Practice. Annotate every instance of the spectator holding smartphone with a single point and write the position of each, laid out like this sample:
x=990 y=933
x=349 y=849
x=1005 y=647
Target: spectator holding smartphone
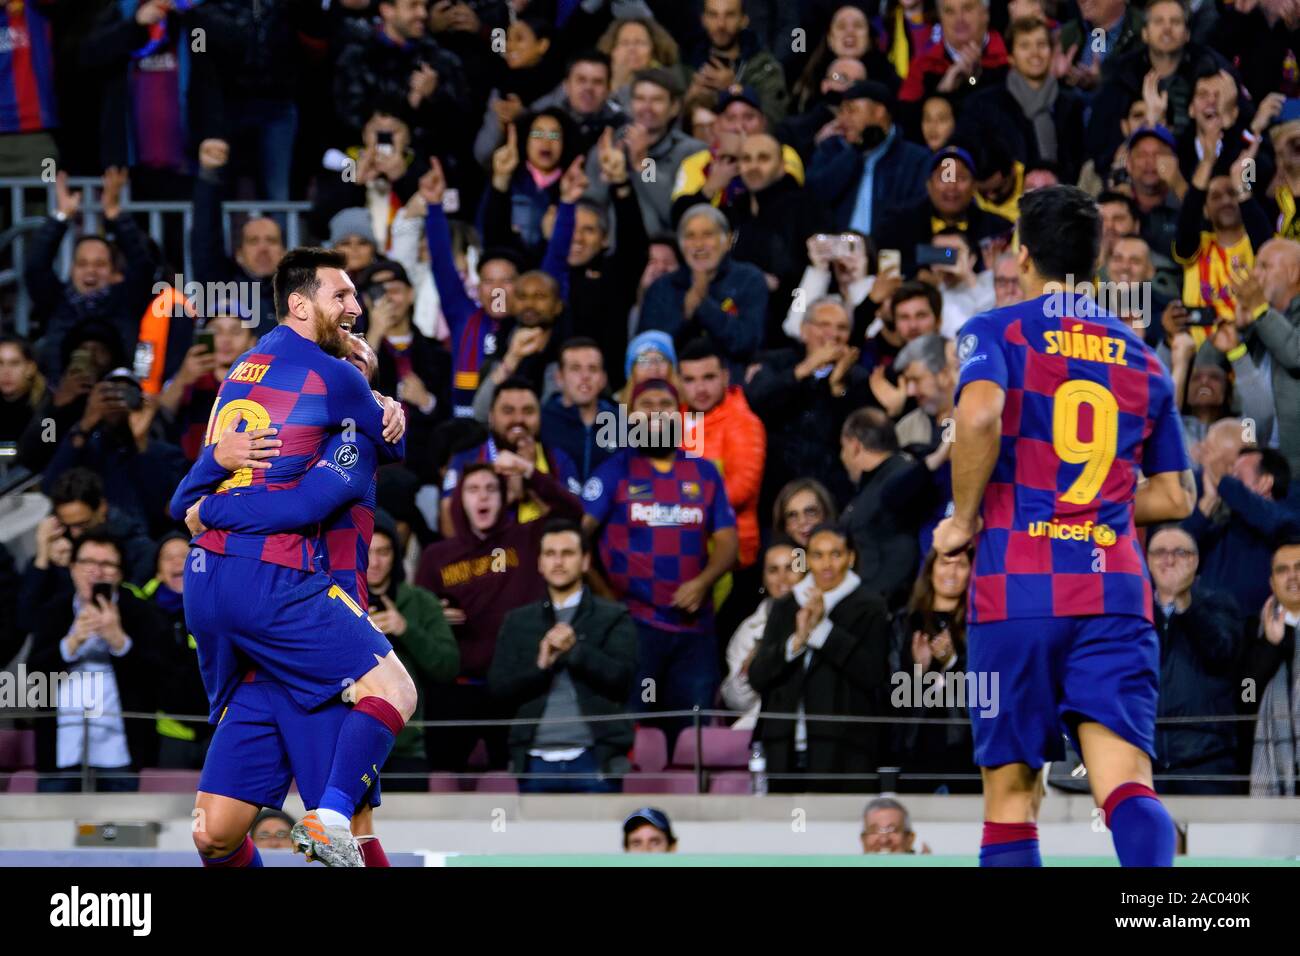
x=186 y=399
x=109 y=640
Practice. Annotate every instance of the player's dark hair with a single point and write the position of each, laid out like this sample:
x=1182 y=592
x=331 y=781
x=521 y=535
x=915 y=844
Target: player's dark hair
x=78 y=484
x=1289 y=540
x=98 y=535
x=473 y=468
x=1273 y=463
x=589 y=56
x=115 y=255
x=597 y=210
x=1061 y=228
x=916 y=289
x=1182 y=5
x=270 y=814
x=579 y=342
x=1024 y=26
x=835 y=528
x=965 y=238
x=515 y=383
x=698 y=349
x=1110 y=196
x=566 y=526
x=872 y=428
x=297 y=272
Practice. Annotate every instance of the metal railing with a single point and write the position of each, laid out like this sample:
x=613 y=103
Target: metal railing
x=884 y=779
x=89 y=220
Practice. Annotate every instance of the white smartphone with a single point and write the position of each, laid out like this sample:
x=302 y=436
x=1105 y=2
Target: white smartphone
x=451 y=200
x=890 y=261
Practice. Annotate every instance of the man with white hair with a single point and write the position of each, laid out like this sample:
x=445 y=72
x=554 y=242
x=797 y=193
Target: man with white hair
x=711 y=294
x=887 y=828
x=1268 y=315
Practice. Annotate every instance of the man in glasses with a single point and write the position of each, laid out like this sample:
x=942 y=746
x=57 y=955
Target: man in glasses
x=103 y=645
x=1200 y=637
x=887 y=828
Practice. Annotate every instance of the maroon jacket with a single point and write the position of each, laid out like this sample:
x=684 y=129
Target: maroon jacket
x=490 y=576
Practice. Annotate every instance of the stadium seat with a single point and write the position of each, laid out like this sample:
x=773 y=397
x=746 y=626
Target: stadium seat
x=24 y=781
x=650 y=751
x=444 y=783
x=17 y=749
x=723 y=748
x=156 y=780
x=730 y=781
x=495 y=782
x=671 y=781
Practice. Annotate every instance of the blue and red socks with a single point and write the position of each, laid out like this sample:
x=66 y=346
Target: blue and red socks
x=246 y=855
x=365 y=738
x=1010 y=844
x=1140 y=825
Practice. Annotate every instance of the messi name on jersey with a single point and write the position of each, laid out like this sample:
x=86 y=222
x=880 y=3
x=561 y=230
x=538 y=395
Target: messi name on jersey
x=656 y=515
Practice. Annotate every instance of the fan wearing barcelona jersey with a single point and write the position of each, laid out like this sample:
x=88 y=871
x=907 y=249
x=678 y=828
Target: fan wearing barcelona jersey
x=666 y=534
x=1067 y=438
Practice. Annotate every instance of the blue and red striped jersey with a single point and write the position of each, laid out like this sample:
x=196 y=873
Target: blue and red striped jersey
x=27 y=102
x=288 y=383
x=1088 y=407
x=655 y=531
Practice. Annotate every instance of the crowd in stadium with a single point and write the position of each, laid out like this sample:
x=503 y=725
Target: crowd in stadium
x=562 y=216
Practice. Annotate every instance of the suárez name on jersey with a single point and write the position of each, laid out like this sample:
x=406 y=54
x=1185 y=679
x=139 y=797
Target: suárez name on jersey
x=657 y=515
x=1078 y=344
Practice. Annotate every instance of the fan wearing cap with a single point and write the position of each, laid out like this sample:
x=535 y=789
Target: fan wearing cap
x=1284 y=135
x=949 y=204
x=648 y=830
x=415 y=368
x=352 y=232
x=713 y=175
x=666 y=534
x=113 y=439
x=863 y=165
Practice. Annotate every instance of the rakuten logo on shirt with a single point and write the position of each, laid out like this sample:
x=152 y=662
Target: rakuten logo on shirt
x=665 y=516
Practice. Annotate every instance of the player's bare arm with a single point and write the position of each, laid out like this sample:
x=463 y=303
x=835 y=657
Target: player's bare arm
x=1167 y=496
x=978 y=418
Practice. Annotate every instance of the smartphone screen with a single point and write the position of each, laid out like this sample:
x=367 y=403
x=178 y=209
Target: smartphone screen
x=205 y=339
x=101 y=589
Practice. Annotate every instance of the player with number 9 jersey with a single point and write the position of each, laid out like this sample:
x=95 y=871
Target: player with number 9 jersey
x=1067 y=438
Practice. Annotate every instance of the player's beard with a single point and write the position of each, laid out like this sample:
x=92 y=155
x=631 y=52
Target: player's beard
x=329 y=336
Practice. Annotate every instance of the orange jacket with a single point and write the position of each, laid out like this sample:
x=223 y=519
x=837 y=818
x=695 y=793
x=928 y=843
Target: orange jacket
x=734 y=439
x=155 y=332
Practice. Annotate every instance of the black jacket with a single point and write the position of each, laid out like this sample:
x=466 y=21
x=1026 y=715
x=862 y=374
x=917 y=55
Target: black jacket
x=887 y=549
x=933 y=754
x=602 y=665
x=1199 y=649
x=136 y=673
x=994 y=111
x=803 y=419
x=59 y=308
x=602 y=292
x=908 y=228
x=211 y=262
x=431 y=364
x=372 y=70
x=1124 y=85
x=849 y=675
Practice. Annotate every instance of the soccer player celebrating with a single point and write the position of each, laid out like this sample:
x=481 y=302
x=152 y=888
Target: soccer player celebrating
x=262 y=597
x=1059 y=408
